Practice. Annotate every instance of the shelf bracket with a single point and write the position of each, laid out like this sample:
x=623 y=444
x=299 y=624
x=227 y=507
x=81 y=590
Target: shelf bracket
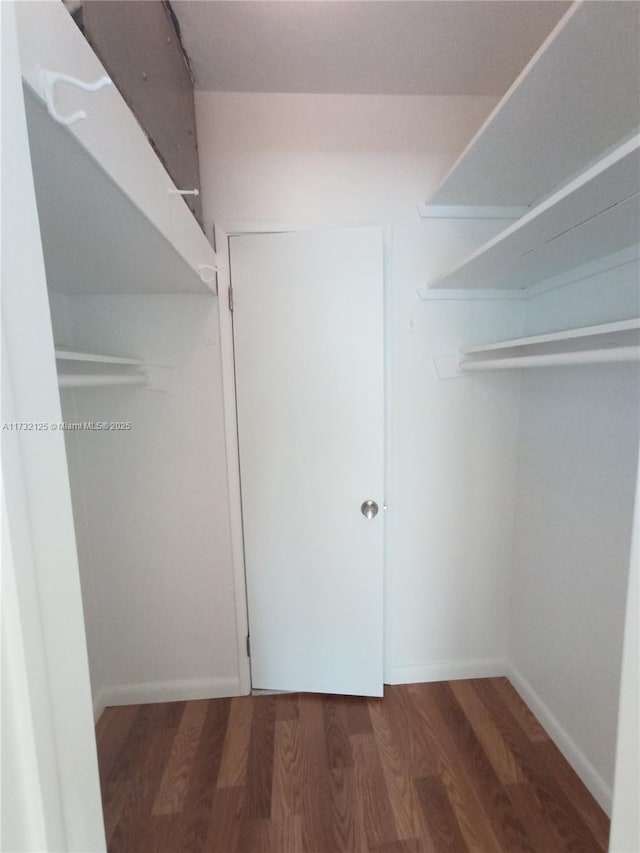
x=209 y=275
x=159 y=378
x=448 y=366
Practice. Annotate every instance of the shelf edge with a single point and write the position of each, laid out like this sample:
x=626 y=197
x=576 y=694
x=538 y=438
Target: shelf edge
x=95 y=358
x=563 y=335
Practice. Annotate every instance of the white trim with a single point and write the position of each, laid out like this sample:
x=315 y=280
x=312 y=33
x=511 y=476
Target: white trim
x=167 y=691
x=389 y=425
x=227 y=367
x=600 y=789
x=445 y=671
x=471 y=211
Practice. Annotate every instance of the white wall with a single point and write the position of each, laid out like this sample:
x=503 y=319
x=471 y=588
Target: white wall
x=576 y=485
x=327 y=157
x=452 y=446
x=92 y=605
x=150 y=504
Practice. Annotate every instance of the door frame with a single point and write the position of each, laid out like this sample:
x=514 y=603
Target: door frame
x=222 y=233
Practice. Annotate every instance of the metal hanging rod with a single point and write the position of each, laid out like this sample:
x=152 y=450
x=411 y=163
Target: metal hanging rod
x=606 y=355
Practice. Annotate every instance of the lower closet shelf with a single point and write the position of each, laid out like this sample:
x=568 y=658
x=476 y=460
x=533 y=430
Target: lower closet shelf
x=607 y=343
x=95 y=380
x=554 y=359
x=95 y=358
x=152 y=377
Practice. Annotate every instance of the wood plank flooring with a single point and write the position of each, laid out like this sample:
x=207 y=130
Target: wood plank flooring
x=431 y=768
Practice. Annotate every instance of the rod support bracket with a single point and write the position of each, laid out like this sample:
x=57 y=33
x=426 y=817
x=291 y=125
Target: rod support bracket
x=48 y=82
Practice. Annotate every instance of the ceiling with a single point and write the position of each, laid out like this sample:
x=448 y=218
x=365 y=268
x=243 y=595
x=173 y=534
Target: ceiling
x=419 y=47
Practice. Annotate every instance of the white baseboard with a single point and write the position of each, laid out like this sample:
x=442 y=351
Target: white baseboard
x=601 y=791
x=99 y=705
x=445 y=671
x=165 y=691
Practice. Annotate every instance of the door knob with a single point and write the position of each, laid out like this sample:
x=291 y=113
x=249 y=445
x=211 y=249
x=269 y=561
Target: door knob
x=369 y=509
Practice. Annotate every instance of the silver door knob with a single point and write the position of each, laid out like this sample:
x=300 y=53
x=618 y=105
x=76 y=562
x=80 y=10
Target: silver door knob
x=369 y=509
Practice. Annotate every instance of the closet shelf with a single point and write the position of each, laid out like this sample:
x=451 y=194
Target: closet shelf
x=91 y=357
x=96 y=380
x=104 y=198
x=596 y=214
x=620 y=333
x=554 y=359
x=605 y=343
x=102 y=374
x=78 y=369
x=576 y=98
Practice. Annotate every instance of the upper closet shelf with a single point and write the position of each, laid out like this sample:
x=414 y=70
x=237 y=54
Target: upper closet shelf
x=577 y=98
x=111 y=219
x=596 y=214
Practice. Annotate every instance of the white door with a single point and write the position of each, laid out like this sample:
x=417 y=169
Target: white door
x=308 y=337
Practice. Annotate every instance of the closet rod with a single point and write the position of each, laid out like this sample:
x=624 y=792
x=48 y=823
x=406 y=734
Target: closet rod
x=594 y=356
x=90 y=380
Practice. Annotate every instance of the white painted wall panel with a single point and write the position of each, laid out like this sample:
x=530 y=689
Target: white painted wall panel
x=94 y=613
x=151 y=505
x=576 y=484
x=454 y=455
x=625 y=820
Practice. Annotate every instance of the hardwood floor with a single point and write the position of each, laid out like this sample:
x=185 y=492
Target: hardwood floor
x=450 y=766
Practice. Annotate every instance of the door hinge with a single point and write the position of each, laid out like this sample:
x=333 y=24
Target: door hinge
x=230 y=298
x=248 y=646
